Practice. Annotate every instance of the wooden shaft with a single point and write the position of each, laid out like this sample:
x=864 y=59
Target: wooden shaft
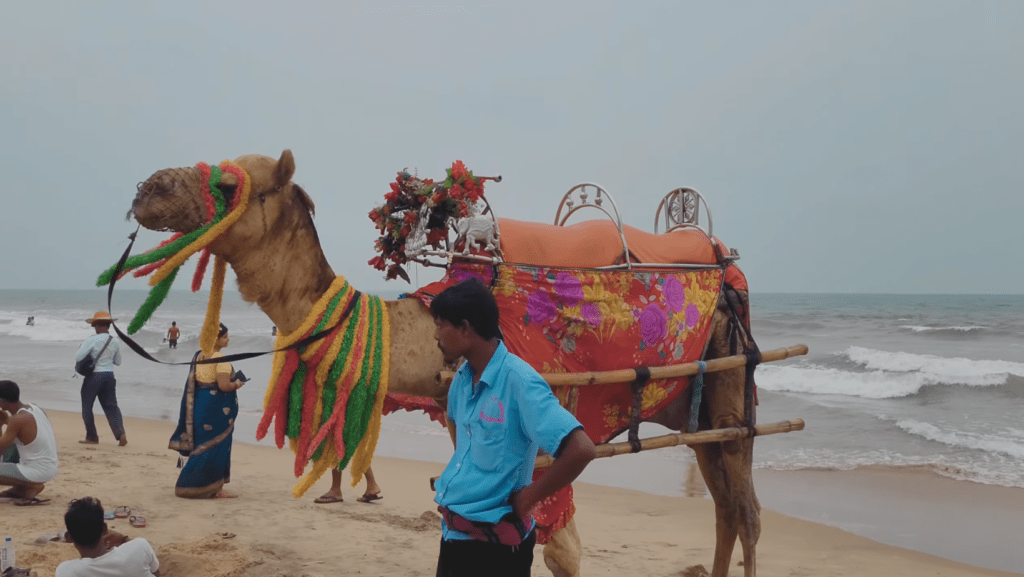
x=444 y=378
x=708 y=436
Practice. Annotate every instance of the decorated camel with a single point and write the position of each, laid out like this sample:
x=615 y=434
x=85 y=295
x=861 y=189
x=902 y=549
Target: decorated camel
x=325 y=397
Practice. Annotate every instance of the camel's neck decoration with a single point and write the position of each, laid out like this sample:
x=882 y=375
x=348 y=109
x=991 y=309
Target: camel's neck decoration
x=327 y=398
x=167 y=257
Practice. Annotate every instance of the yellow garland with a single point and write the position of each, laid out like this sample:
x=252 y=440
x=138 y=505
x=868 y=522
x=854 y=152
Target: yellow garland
x=353 y=366
x=351 y=373
x=326 y=463
x=283 y=340
x=364 y=452
x=211 y=326
x=200 y=243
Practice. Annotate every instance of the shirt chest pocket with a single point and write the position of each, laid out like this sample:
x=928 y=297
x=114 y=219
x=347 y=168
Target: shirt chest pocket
x=489 y=431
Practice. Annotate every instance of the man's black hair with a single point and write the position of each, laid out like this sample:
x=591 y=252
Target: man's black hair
x=9 y=391
x=223 y=330
x=84 y=521
x=468 y=301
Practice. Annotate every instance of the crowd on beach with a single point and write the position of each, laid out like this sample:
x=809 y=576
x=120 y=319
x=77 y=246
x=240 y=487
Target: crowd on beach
x=500 y=413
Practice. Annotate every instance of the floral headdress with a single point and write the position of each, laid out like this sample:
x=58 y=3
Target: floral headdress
x=413 y=199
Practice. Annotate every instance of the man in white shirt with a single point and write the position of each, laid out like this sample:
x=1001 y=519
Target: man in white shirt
x=101 y=383
x=26 y=428
x=86 y=530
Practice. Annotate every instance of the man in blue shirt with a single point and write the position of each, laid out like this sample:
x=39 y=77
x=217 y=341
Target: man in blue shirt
x=101 y=382
x=502 y=411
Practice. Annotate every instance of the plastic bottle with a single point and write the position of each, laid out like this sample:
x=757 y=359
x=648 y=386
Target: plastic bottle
x=7 y=555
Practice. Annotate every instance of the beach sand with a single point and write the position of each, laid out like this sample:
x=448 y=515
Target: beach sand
x=265 y=532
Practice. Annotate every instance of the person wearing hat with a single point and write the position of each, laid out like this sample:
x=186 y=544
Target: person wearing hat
x=101 y=383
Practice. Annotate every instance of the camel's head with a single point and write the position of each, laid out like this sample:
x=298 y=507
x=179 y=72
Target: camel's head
x=172 y=199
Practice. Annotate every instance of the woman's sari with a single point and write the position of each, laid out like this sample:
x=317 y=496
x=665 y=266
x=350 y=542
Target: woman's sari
x=205 y=426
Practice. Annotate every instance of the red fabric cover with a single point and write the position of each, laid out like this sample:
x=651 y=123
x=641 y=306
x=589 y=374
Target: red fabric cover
x=554 y=512
x=572 y=321
x=396 y=401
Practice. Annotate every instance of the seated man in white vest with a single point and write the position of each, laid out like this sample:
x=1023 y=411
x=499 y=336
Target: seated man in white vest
x=27 y=428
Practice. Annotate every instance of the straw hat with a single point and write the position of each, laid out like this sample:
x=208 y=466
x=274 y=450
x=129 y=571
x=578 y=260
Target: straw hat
x=100 y=317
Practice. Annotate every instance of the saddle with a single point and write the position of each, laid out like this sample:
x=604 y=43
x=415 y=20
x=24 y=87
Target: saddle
x=596 y=243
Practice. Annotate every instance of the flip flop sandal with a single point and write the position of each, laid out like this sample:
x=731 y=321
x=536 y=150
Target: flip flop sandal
x=31 y=501
x=137 y=521
x=369 y=498
x=323 y=499
x=122 y=512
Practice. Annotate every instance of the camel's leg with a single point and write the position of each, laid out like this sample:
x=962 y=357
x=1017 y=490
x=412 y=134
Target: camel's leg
x=727 y=466
x=562 y=553
x=713 y=469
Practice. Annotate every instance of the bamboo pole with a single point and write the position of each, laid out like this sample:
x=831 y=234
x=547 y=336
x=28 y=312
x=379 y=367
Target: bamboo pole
x=708 y=436
x=444 y=378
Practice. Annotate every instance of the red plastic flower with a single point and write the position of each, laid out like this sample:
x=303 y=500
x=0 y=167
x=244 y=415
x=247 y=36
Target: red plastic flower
x=459 y=171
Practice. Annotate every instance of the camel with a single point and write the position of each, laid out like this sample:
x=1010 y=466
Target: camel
x=280 y=266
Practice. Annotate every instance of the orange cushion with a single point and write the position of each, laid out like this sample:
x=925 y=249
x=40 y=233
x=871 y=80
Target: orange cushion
x=596 y=243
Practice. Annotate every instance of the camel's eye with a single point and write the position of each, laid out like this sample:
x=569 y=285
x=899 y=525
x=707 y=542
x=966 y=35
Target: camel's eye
x=263 y=198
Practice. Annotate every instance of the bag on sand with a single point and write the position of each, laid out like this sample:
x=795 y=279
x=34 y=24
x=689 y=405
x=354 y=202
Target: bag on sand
x=86 y=366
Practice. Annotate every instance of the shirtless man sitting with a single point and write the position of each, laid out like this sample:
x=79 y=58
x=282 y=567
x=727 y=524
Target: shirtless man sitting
x=27 y=428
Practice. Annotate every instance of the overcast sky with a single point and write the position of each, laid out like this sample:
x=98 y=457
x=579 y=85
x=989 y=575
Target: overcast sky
x=842 y=146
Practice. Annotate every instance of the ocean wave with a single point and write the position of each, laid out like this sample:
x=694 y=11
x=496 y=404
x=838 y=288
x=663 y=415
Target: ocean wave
x=990 y=443
x=875 y=384
x=950 y=370
x=69 y=328
x=47 y=329
x=997 y=470
x=956 y=330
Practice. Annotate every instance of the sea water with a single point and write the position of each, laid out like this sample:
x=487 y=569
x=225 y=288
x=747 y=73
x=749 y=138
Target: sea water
x=925 y=380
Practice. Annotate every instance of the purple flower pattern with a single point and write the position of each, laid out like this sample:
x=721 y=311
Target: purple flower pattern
x=591 y=313
x=675 y=296
x=540 y=308
x=692 y=315
x=652 y=324
x=569 y=289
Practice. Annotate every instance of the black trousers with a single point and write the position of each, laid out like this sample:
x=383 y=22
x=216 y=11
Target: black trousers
x=102 y=386
x=479 y=558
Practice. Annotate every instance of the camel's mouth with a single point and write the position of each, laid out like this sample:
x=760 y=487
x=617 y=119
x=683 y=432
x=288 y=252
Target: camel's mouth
x=170 y=200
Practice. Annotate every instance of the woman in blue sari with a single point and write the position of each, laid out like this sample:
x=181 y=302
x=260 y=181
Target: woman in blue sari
x=205 y=426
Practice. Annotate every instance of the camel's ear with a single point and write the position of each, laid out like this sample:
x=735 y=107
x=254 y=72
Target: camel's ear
x=285 y=169
x=228 y=179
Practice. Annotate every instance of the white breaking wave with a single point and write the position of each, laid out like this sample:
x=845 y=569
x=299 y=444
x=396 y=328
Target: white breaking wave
x=74 y=329
x=988 y=443
x=953 y=370
x=48 y=329
x=889 y=375
x=828 y=381
x=962 y=329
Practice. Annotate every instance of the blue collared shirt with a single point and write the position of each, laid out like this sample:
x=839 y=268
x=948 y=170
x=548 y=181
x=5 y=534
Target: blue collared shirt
x=110 y=357
x=500 y=423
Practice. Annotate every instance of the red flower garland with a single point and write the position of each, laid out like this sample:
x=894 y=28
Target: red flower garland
x=401 y=209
